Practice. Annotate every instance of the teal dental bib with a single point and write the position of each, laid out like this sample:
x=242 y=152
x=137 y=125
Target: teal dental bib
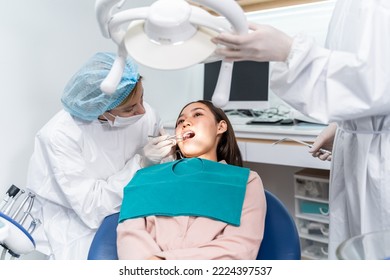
x=187 y=187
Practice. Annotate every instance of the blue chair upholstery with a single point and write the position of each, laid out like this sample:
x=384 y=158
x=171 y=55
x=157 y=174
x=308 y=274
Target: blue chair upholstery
x=103 y=246
x=281 y=239
x=280 y=242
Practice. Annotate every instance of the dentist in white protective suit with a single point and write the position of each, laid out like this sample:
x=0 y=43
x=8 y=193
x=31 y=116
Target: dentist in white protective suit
x=87 y=153
x=346 y=84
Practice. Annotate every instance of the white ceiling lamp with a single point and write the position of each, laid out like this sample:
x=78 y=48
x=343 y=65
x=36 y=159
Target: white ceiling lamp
x=170 y=35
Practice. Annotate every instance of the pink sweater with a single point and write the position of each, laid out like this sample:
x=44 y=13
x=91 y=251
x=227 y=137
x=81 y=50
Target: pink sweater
x=191 y=238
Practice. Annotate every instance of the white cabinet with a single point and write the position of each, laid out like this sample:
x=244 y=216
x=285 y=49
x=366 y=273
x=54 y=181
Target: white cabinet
x=311 y=196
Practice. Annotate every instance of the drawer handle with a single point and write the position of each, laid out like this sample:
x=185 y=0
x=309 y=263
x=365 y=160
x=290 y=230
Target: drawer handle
x=324 y=231
x=324 y=212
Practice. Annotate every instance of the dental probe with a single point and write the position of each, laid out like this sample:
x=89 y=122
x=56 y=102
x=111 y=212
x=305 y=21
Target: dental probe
x=303 y=143
x=177 y=137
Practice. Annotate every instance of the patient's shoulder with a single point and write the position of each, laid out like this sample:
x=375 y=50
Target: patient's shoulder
x=254 y=177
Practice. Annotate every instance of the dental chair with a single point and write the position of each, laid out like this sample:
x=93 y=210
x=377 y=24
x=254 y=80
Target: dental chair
x=280 y=241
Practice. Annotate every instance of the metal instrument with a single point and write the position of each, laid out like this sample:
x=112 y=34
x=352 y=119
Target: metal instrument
x=324 y=151
x=17 y=239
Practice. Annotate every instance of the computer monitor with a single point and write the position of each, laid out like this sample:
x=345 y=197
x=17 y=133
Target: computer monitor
x=249 y=86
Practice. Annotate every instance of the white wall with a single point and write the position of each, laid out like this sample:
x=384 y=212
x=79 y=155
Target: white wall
x=43 y=42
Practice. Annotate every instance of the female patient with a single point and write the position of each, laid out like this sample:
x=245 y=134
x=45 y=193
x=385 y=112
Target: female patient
x=203 y=206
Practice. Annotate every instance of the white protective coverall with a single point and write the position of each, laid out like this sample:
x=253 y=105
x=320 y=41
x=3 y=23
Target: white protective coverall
x=78 y=171
x=348 y=83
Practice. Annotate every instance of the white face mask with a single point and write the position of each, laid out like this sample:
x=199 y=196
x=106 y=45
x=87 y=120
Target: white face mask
x=123 y=121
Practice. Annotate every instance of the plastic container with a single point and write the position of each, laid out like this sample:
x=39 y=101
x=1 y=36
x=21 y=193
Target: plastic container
x=369 y=246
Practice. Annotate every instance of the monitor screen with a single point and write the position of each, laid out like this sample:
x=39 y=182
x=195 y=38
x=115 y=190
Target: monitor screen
x=249 y=85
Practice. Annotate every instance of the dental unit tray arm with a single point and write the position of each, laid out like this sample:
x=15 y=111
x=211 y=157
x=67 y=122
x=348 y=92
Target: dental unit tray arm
x=15 y=238
x=195 y=19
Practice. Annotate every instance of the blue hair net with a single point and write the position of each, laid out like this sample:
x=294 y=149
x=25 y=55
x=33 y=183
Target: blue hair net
x=82 y=96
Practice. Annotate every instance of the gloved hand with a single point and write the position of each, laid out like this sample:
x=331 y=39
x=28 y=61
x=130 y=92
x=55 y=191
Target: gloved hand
x=157 y=148
x=264 y=43
x=324 y=140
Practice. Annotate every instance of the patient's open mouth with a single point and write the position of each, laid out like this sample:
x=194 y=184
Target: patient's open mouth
x=188 y=135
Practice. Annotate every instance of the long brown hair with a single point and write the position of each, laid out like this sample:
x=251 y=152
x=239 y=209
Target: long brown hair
x=227 y=148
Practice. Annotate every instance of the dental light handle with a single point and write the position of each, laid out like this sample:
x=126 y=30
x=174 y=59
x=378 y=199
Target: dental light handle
x=109 y=27
x=233 y=13
x=111 y=82
x=222 y=89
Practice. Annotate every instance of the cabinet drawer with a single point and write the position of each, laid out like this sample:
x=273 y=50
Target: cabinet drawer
x=313 y=229
x=312 y=189
x=314 y=250
x=313 y=207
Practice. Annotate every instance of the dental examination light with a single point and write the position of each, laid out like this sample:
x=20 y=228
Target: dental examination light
x=14 y=237
x=170 y=35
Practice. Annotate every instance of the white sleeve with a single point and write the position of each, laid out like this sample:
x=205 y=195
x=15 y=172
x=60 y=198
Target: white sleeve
x=59 y=174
